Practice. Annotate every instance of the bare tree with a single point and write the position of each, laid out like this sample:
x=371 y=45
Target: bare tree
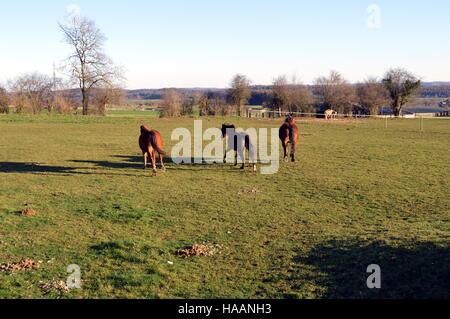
x=4 y=101
x=32 y=92
x=290 y=97
x=172 y=103
x=187 y=107
x=336 y=93
x=372 y=96
x=280 y=97
x=203 y=105
x=88 y=65
x=239 y=92
x=300 y=99
x=401 y=85
x=107 y=96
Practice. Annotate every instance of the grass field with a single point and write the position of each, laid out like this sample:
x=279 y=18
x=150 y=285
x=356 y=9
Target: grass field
x=360 y=194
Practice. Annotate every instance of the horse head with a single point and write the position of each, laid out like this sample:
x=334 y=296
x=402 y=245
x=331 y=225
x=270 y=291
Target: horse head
x=144 y=129
x=290 y=119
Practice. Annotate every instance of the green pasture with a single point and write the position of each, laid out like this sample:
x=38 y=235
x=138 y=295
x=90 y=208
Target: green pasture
x=359 y=194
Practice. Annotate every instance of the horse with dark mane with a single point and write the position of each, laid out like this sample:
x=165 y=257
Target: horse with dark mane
x=151 y=142
x=238 y=142
x=289 y=134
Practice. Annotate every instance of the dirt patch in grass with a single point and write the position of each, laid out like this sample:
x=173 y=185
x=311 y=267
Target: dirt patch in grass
x=28 y=212
x=24 y=265
x=54 y=286
x=198 y=250
x=253 y=190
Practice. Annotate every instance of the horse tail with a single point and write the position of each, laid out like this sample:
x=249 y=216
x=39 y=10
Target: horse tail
x=155 y=144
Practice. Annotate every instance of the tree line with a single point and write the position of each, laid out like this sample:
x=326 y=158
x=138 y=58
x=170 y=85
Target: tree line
x=328 y=92
x=99 y=81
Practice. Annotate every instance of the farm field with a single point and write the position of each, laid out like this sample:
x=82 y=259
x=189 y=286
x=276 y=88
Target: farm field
x=359 y=194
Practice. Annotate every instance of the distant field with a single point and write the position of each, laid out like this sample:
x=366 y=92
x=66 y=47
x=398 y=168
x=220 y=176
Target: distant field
x=132 y=113
x=360 y=194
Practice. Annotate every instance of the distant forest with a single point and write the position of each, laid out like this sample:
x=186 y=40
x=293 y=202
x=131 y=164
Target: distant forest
x=261 y=93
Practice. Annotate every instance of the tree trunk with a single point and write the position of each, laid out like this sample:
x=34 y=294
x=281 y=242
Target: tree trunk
x=397 y=108
x=85 y=101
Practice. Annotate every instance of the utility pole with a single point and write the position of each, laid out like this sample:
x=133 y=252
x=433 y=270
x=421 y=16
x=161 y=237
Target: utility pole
x=54 y=77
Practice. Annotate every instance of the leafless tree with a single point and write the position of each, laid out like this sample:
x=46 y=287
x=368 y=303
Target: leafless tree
x=32 y=92
x=4 y=101
x=290 y=97
x=239 y=92
x=187 y=107
x=280 y=96
x=372 y=96
x=107 y=96
x=336 y=93
x=171 y=104
x=88 y=65
x=401 y=85
x=203 y=105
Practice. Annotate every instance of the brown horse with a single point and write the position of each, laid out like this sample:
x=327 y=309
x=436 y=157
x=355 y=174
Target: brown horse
x=151 y=142
x=289 y=134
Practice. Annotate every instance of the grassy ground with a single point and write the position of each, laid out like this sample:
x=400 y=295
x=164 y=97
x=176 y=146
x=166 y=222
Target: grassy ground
x=360 y=194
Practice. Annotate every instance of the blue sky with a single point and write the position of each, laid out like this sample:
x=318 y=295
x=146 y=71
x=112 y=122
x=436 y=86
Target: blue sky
x=203 y=43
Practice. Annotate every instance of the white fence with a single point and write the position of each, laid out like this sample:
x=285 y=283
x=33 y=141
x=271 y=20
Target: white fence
x=276 y=114
x=418 y=116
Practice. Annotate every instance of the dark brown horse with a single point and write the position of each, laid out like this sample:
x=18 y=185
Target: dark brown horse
x=151 y=142
x=238 y=142
x=289 y=134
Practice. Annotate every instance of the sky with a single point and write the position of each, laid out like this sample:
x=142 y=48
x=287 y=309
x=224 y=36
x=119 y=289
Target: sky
x=203 y=43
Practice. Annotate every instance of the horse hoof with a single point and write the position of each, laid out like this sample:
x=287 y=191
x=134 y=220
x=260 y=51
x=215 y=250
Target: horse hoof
x=286 y=159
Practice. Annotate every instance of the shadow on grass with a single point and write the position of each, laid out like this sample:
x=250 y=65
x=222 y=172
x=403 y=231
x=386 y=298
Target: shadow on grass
x=13 y=167
x=417 y=270
x=35 y=168
x=137 y=162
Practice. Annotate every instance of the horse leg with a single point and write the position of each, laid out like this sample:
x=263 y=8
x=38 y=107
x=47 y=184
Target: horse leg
x=161 y=158
x=145 y=161
x=225 y=155
x=241 y=152
x=293 y=152
x=153 y=157
x=285 y=157
x=235 y=158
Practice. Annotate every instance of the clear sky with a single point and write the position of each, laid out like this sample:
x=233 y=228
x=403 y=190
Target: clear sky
x=202 y=43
